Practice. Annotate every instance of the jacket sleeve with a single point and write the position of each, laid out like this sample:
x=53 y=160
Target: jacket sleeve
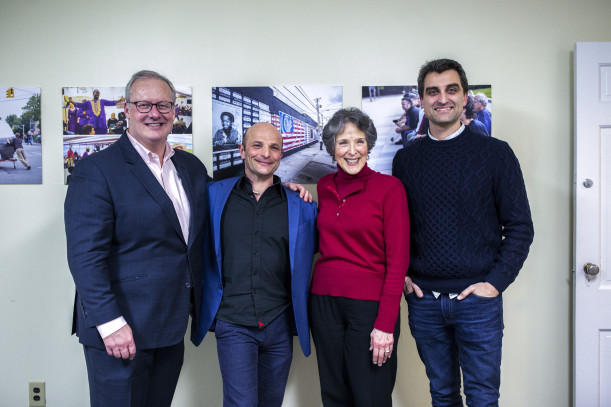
x=89 y=223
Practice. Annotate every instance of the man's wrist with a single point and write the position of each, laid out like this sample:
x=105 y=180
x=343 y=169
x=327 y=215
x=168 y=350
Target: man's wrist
x=111 y=327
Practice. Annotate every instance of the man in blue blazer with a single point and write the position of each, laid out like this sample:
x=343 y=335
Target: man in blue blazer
x=136 y=225
x=256 y=286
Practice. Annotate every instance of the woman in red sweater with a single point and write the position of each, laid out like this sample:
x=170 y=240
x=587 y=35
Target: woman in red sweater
x=357 y=283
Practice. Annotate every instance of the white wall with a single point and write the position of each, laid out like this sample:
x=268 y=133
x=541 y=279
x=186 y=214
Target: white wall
x=523 y=48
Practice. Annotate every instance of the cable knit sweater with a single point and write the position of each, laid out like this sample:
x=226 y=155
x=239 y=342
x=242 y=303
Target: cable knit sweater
x=363 y=225
x=469 y=214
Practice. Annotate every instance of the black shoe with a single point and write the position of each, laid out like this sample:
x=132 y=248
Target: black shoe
x=29 y=167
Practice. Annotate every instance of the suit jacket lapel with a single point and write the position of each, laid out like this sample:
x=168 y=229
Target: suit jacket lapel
x=294 y=207
x=185 y=179
x=144 y=175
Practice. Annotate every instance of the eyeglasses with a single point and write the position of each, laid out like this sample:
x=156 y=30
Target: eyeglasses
x=145 y=107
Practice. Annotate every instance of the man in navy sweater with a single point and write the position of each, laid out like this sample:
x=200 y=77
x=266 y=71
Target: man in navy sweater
x=471 y=230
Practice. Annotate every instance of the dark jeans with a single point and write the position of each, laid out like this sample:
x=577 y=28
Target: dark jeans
x=340 y=329
x=255 y=362
x=452 y=335
x=149 y=380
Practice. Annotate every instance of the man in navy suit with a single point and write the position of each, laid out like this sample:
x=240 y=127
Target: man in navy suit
x=136 y=225
x=256 y=286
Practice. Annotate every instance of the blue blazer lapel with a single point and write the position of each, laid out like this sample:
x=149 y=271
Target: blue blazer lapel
x=143 y=174
x=219 y=193
x=294 y=208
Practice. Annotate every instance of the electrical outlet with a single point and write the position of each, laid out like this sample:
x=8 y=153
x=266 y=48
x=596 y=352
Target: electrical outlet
x=37 y=394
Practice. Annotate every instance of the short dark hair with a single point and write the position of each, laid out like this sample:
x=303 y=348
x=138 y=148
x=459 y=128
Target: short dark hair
x=335 y=126
x=230 y=115
x=86 y=129
x=144 y=74
x=439 y=66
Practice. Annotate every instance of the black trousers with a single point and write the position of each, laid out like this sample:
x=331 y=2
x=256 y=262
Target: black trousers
x=341 y=329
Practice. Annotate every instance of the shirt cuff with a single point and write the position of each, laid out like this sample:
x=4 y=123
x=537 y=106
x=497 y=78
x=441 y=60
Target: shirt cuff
x=111 y=327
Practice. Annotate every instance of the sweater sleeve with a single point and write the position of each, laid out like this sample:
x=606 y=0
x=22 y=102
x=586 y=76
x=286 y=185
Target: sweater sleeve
x=396 y=242
x=514 y=215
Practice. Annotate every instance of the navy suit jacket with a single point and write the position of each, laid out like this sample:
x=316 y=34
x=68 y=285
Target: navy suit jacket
x=302 y=235
x=126 y=250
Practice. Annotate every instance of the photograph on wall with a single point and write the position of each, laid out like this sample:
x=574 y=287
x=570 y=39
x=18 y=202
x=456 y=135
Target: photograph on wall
x=20 y=138
x=399 y=119
x=298 y=112
x=94 y=118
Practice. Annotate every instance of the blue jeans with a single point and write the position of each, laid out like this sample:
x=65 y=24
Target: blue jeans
x=452 y=335
x=255 y=362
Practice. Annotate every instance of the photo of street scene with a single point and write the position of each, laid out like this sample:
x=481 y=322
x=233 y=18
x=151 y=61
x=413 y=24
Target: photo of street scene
x=298 y=112
x=94 y=118
x=396 y=113
x=20 y=138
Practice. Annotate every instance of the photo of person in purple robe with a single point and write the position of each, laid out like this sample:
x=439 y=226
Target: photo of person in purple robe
x=83 y=120
x=71 y=125
x=94 y=110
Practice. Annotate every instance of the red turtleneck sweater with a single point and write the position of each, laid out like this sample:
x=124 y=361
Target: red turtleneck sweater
x=363 y=224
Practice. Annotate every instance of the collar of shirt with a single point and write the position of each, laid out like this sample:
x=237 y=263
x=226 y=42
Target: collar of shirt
x=245 y=185
x=148 y=156
x=451 y=136
x=168 y=178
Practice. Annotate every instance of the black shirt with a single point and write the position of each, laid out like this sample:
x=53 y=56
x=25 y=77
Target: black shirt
x=17 y=142
x=413 y=117
x=255 y=247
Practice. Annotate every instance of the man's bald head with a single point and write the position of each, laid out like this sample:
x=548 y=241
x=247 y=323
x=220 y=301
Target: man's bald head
x=263 y=128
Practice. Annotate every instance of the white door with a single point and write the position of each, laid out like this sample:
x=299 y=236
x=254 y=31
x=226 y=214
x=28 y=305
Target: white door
x=592 y=292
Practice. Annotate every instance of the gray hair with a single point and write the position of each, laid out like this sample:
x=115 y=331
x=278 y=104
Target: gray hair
x=144 y=74
x=337 y=124
x=469 y=110
x=481 y=98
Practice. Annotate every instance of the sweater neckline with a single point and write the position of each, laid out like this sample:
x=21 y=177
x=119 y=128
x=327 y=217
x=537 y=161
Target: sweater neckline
x=343 y=176
x=348 y=184
x=451 y=142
